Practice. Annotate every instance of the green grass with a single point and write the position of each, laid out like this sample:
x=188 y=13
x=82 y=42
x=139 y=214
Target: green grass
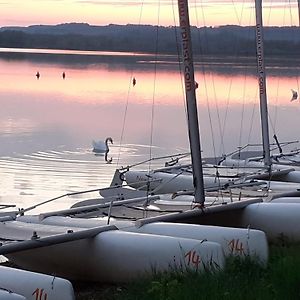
x=241 y=279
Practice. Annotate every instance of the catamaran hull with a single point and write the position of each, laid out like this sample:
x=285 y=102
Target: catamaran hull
x=8 y=295
x=278 y=173
x=116 y=256
x=234 y=241
x=164 y=183
x=280 y=221
x=286 y=200
x=30 y=285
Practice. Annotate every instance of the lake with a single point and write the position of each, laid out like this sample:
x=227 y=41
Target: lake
x=47 y=125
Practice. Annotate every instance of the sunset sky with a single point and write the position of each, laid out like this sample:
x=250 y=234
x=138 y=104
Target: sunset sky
x=102 y=12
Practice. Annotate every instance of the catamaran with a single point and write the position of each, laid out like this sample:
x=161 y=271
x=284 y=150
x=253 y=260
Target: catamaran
x=138 y=237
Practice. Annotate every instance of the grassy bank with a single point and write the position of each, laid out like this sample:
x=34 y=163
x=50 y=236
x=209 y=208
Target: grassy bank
x=280 y=279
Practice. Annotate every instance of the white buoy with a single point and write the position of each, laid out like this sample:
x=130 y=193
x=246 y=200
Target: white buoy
x=34 y=285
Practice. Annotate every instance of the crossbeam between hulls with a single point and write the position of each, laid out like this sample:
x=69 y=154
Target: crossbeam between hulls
x=183 y=217
x=190 y=94
x=37 y=242
x=95 y=207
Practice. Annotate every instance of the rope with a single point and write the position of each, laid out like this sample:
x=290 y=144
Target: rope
x=246 y=71
x=204 y=75
x=273 y=123
x=255 y=105
x=231 y=80
x=128 y=96
x=154 y=87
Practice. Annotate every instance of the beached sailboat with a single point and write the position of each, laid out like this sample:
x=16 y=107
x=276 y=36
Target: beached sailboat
x=276 y=165
x=21 y=284
x=200 y=199
x=283 y=166
x=259 y=215
x=122 y=250
x=106 y=253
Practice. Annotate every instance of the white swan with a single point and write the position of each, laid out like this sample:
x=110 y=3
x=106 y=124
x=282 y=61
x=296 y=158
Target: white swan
x=102 y=147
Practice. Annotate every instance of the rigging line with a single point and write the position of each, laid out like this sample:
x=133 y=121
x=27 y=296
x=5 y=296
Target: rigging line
x=290 y=10
x=204 y=74
x=269 y=14
x=236 y=13
x=231 y=82
x=255 y=106
x=128 y=95
x=124 y=120
x=276 y=109
x=273 y=125
x=242 y=116
x=180 y=155
x=244 y=93
x=218 y=115
x=284 y=15
x=223 y=127
x=291 y=24
x=217 y=110
x=154 y=87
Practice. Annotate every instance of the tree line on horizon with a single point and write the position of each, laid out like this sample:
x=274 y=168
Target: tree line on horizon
x=224 y=40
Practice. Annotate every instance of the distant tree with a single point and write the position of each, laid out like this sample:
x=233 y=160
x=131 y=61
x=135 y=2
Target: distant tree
x=222 y=41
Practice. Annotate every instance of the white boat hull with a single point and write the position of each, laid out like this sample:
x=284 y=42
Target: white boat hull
x=280 y=221
x=234 y=241
x=293 y=175
x=165 y=183
x=286 y=200
x=30 y=285
x=8 y=295
x=116 y=256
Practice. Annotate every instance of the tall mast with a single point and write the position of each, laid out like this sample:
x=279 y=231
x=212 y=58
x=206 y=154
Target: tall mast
x=190 y=94
x=262 y=83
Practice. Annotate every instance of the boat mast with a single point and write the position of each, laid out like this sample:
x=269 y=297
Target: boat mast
x=262 y=83
x=190 y=94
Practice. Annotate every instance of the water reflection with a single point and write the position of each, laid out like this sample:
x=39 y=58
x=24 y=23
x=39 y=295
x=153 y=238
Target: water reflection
x=47 y=125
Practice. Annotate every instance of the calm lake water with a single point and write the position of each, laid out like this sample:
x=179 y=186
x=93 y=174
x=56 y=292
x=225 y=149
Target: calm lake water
x=47 y=125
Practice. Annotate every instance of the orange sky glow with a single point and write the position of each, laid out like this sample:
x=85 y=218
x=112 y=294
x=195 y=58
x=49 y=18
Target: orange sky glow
x=103 y=12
